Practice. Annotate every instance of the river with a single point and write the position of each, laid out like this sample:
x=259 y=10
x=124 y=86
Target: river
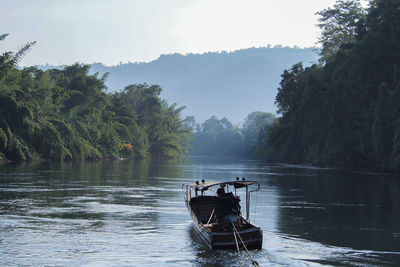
x=132 y=213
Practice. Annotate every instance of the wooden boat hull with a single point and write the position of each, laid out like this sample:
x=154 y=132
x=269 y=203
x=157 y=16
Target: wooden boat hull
x=210 y=212
x=252 y=238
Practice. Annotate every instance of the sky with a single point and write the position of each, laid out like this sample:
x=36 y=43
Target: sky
x=121 y=31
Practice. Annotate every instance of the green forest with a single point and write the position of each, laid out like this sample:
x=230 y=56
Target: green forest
x=345 y=110
x=222 y=138
x=68 y=114
x=342 y=111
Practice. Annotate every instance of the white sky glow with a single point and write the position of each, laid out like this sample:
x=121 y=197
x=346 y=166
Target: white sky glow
x=117 y=31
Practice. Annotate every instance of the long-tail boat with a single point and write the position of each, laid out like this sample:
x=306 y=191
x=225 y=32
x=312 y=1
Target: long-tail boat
x=216 y=213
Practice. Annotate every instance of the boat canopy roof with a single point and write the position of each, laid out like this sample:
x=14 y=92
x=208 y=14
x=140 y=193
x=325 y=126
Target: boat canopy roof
x=205 y=185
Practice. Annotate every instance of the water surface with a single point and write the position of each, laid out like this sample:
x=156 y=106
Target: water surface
x=132 y=213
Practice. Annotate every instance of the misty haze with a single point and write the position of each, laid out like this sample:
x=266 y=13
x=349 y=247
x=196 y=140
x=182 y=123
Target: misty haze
x=200 y=133
x=224 y=84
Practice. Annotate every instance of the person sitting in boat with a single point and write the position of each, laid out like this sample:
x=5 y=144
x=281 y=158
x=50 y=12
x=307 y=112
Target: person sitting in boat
x=227 y=209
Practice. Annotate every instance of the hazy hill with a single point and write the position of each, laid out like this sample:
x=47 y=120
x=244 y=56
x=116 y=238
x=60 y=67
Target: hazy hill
x=223 y=84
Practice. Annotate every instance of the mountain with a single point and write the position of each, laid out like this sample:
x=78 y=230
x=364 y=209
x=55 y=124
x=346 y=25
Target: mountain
x=225 y=84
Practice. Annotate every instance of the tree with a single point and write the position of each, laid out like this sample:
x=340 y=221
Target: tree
x=67 y=114
x=8 y=59
x=345 y=113
x=342 y=24
x=255 y=129
x=218 y=137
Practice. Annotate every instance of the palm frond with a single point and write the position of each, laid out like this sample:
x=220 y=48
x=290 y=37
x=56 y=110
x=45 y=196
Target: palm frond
x=22 y=51
x=3 y=36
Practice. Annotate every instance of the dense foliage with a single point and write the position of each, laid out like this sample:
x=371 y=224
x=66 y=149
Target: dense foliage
x=346 y=110
x=67 y=114
x=220 y=137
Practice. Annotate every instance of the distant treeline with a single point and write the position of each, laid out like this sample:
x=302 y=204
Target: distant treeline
x=67 y=114
x=345 y=111
x=221 y=138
